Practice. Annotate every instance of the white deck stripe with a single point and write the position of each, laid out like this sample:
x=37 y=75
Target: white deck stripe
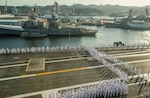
x=16 y=65
x=17 y=77
x=95 y=67
x=32 y=75
x=139 y=61
x=134 y=55
x=64 y=57
x=129 y=53
x=12 y=63
x=53 y=61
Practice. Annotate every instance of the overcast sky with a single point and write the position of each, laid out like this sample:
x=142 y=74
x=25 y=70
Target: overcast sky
x=71 y=2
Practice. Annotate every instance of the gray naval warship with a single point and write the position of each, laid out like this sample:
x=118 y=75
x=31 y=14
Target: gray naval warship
x=32 y=28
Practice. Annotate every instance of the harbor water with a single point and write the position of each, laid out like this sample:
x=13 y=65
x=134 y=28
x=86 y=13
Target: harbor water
x=104 y=37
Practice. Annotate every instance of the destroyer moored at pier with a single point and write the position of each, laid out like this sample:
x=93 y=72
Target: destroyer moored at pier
x=37 y=29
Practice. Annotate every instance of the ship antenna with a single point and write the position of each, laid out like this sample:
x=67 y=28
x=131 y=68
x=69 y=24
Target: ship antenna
x=146 y=12
x=69 y=36
x=5 y=9
x=54 y=7
x=130 y=15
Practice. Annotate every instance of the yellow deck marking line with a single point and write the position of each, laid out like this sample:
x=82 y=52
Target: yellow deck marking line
x=44 y=64
x=28 y=64
x=44 y=73
x=60 y=71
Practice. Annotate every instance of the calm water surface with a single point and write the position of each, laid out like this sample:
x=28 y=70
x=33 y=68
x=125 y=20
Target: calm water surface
x=104 y=37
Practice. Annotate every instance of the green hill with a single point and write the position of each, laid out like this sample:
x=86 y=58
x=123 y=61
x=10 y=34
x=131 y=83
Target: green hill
x=79 y=9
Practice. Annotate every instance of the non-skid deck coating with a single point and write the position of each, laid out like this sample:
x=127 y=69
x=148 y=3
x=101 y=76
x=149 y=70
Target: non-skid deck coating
x=65 y=69
x=36 y=64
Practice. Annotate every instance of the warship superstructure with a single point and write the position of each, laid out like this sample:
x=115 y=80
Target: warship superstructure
x=33 y=28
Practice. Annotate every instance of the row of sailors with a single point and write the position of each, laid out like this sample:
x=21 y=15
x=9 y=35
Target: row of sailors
x=114 y=87
x=139 y=72
x=139 y=45
x=99 y=56
x=37 y=49
x=144 y=76
x=116 y=70
x=125 y=64
x=115 y=60
x=120 y=44
x=147 y=90
x=110 y=66
x=47 y=49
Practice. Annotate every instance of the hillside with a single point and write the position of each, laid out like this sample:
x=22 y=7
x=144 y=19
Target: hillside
x=79 y=9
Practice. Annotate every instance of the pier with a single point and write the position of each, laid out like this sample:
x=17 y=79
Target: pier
x=60 y=70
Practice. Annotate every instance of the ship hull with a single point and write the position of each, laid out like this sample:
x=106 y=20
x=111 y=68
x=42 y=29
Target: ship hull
x=137 y=26
x=52 y=32
x=112 y=25
x=72 y=32
x=9 y=32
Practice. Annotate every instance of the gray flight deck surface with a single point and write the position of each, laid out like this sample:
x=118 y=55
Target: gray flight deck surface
x=67 y=68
